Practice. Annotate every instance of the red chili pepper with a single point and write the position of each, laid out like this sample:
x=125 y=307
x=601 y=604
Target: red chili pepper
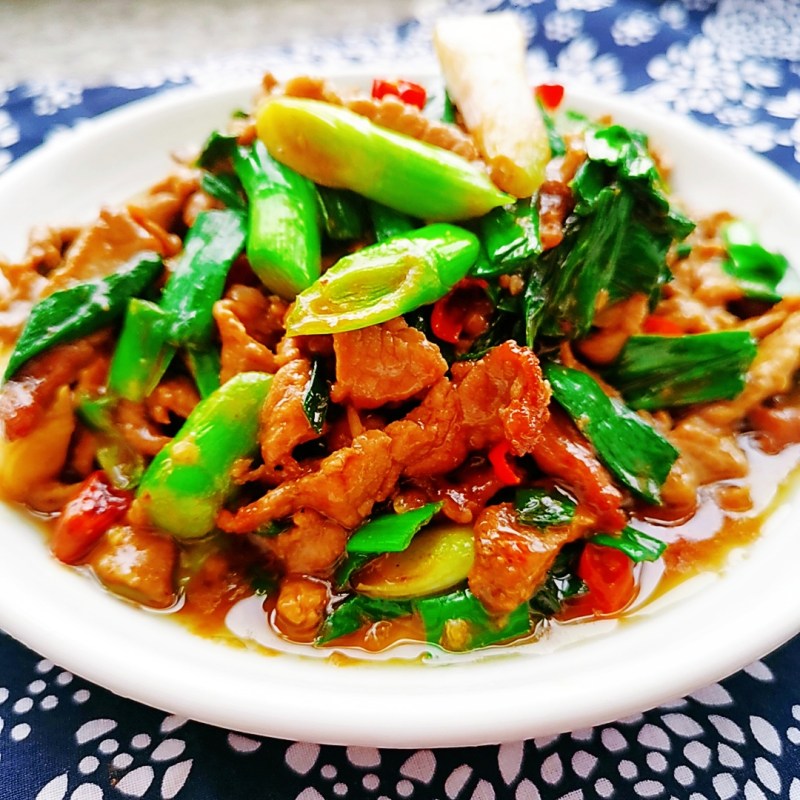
x=550 y=95
x=408 y=92
x=661 y=326
x=447 y=316
x=609 y=575
x=498 y=458
x=86 y=517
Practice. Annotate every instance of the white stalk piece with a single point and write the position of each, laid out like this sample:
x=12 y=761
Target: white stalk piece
x=483 y=62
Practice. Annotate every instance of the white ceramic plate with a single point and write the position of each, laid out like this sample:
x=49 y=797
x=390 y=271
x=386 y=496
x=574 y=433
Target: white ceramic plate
x=709 y=628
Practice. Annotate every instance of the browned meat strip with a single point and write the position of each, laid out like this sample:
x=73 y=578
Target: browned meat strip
x=383 y=364
x=429 y=440
x=503 y=396
x=176 y=396
x=102 y=248
x=300 y=606
x=312 y=546
x=771 y=373
x=615 y=325
x=26 y=397
x=284 y=424
x=564 y=453
x=512 y=559
x=162 y=204
x=346 y=486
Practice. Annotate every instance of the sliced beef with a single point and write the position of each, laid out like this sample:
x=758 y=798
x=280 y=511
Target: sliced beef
x=563 y=453
x=383 y=364
x=344 y=488
x=503 y=396
x=284 y=423
x=512 y=559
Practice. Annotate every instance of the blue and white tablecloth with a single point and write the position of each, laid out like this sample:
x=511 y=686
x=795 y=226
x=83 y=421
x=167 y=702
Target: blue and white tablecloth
x=732 y=64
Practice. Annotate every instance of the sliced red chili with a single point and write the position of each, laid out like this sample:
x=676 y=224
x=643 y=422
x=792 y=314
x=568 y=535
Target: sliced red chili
x=498 y=458
x=407 y=91
x=86 y=517
x=550 y=95
x=661 y=326
x=608 y=573
x=448 y=314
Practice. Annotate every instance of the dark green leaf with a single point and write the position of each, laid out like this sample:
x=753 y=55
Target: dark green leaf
x=655 y=372
x=344 y=213
x=316 y=397
x=561 y=582
x=225 y=188
x=217 y=149
x=387 y=223
x=82 y=309
x=757 y=270
x=391 y=533
x=357 y=611
x=205 y=368
x=543 y=507
x=510 y=235
x=633 y=450
x=636 y=545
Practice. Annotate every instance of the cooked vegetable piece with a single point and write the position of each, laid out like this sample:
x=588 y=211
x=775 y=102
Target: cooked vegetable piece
x=205 y=368
x=82 y=309
x=608 y=575
x=84 y=519
x=511 y=235
x=437 y=559
x=543 y=507
x=483 y=62
x=482 y=629
x=142 y=354
x=343 y=213
x=449 y=313
x=561 y=584
x=336 y=147
x=636 y=545
x=283 y=237
x=563 y=286
x=384 y=281
x=189 y=480
x=655 y=372
x=316 y=397
x=123 y=465
x=224 y=188
x=498 y=456
x=391 y=533
x=198 y=276
x=757 y=270
x=387 y=223
x=358 y=611
x=633 y=450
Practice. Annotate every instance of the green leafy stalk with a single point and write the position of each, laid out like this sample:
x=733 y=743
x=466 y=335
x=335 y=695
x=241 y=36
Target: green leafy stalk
x=142 y=354
x=484 y=629
x=388 y=223
x=655 y=372
x=633 y=450
x=198 y=277
x=336 y=147
x=391 y=533
x=384 y=281
x=283 y=236
x=82 y=309
x=510 y=235
x=204 y=366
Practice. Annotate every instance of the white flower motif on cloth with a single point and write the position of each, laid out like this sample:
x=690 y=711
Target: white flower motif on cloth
x=53 y=96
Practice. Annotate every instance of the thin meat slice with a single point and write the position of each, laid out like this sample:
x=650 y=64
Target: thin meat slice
x=284 y=423
x=429 y=440
x=563 y=453
x=311 y=546
x=383 y=364
x=503 y=396
x=25 y=398
x=344 y=489
x=512 y=559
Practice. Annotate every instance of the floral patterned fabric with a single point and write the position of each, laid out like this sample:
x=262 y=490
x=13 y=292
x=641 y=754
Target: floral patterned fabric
x=732 y=64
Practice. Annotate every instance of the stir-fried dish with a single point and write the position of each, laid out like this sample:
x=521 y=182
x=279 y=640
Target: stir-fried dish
x=408 y=365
